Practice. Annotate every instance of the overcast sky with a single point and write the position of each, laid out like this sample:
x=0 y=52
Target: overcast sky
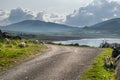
x=59 y=6
x=70 y=12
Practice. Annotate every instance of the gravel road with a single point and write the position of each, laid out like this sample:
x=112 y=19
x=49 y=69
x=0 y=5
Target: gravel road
x=58 y=63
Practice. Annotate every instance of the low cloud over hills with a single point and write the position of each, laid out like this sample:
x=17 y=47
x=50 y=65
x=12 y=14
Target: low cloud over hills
x=96 y=11
x=19 y=14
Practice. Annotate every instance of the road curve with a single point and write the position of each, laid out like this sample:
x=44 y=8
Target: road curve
x=58 y=63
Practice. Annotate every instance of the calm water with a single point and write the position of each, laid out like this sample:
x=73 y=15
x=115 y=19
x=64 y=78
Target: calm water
x=90 y=42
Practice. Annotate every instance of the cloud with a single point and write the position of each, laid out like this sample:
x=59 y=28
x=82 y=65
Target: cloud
x=3 y=15
x=55 y=17
x=96 y=11
x=40 y=16
x=19 y=14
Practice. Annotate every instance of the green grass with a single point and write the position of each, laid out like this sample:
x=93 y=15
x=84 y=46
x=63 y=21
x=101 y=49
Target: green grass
x=97 y=71
x=11 y=53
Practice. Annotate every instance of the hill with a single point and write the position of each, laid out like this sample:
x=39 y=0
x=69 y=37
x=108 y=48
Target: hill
x=109 y=25
x=35 y=29
x=36 y=26
x=109 y=29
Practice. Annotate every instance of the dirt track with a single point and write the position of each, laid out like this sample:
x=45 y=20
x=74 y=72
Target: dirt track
x=58 y=63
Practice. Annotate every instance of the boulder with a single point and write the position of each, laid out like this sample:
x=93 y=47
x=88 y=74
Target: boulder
x=22 y=44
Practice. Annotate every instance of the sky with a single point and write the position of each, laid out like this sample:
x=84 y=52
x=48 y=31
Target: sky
x=59 y=6
x=70 y=12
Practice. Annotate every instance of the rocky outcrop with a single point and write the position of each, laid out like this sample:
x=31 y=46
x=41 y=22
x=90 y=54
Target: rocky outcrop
x=116 y=56
x=117 y=70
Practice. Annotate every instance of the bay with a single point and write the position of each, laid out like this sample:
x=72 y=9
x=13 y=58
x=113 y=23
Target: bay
x=90 y=42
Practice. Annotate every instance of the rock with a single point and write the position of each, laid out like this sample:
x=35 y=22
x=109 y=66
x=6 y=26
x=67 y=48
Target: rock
x=117 y=70
x=22 y=44
x=116 y=52
x=36 y=41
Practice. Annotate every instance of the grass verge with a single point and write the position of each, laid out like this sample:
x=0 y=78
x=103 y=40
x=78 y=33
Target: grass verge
x=97 y=71
x=11 y=54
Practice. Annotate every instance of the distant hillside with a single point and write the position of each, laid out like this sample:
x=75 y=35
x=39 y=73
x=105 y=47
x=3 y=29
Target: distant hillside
x=109 y=25
x=109 y=28
x=36 y=26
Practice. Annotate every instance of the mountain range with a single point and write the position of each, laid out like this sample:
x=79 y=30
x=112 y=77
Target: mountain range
x=109 y=25
x=109 y=28
x=36 y=26
x=103 y=29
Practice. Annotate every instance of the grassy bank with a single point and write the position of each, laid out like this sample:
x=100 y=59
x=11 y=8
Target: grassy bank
x=72 y=44
x=97 y=71
x=11 y=53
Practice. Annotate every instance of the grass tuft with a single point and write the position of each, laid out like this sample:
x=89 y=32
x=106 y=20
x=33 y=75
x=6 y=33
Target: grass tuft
x=11 y=53
x=97 y=71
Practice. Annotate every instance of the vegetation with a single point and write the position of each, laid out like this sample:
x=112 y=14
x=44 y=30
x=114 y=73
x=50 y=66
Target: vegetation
x=73 y=44
x=97 y=71
x=11 y=53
